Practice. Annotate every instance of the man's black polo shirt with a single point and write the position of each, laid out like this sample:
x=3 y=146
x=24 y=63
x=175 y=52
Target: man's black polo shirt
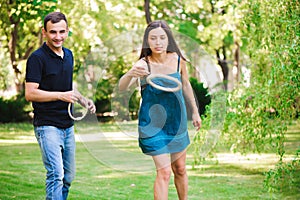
x=52 y=73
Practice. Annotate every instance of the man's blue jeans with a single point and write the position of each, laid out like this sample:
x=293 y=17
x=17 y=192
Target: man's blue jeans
x=58 y=153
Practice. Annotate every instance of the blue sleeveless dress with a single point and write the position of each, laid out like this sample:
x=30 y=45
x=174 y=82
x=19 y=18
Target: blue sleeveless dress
x=162 y=118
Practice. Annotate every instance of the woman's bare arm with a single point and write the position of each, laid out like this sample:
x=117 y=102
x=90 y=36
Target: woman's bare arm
x=189 y=96
x=131 y=77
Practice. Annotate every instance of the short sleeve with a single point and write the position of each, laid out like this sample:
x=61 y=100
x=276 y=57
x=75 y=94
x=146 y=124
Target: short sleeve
x=34 y=69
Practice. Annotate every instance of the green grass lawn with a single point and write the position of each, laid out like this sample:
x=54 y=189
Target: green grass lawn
x=227 y=176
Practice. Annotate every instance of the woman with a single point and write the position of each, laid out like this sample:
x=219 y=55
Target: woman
x=162 y=116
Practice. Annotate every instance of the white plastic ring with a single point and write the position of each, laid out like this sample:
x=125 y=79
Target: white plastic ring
x=76 y=118
x=166 y=89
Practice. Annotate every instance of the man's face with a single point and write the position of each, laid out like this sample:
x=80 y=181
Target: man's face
x=56 y=34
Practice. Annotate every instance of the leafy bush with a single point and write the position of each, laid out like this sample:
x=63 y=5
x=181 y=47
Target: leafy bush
x=272 y=38
x=202 y=95
x=284 y=176
x=13 y=109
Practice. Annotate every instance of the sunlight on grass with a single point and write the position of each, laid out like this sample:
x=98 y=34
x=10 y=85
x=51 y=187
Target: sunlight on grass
x=15 y=130
x=223 y=176
x=6 y=172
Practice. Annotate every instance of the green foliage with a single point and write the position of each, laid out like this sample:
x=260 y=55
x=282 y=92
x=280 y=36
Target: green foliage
x=20 y=25
x=6 y=76
x=253 y=125
x=13 y=109
x=285 y=176
x=258 y=116
x=20 y=34
x=273 y=46
x=92 y=23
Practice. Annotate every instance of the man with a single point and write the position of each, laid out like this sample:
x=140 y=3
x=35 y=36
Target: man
x=48 y=86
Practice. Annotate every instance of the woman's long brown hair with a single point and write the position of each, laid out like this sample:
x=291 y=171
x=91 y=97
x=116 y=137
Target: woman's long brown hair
x=172 y=46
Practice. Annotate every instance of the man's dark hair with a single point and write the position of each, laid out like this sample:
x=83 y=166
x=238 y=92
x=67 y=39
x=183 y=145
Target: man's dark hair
x=54 y=17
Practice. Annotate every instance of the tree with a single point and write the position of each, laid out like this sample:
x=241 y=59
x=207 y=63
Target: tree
x=103 y=41
x=260 y=114
x=21 y=22
x=147 y=11
x=216 y=25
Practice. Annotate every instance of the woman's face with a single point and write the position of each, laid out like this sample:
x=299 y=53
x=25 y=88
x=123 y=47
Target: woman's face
x=158 y=40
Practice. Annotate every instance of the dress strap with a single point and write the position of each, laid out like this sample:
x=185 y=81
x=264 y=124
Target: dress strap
x=178 y=65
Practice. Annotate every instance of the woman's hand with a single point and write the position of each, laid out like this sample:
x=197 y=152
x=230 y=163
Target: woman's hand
x=196 y=121
x=132 y=76
x=137 y=72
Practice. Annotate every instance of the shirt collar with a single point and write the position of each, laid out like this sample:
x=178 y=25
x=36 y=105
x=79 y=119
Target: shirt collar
x=52 y=53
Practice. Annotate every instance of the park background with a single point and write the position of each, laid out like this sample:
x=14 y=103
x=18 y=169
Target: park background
x=252 y=44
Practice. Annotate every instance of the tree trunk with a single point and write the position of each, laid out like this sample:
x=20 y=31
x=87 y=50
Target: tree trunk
x=237 y=62
x=224 y=66
x=147 y=11
x=12 y=44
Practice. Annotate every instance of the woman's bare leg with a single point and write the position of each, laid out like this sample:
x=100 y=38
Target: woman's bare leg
x=163 y=174
x=180 y=175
